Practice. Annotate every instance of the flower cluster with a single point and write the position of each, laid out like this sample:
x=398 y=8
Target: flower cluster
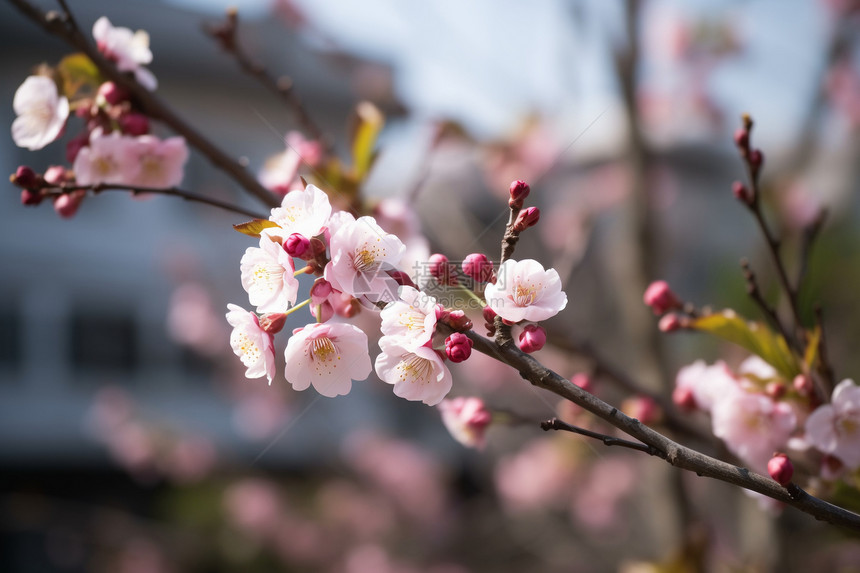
x=116 y=146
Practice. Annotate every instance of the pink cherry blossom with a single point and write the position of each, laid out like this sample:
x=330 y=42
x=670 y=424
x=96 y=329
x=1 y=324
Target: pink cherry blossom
x=105 y=160
x=705 y=383
x=267 y=277
x=752 y=425
x=304 y=212
x=525 y=291
x=129 y=50
x=467 y=419
x=159 y=163
x=417 y=374
x=41 y=111
x=251 y=343
x=329 y=356
x=361 y=253
x=412 y=319
x=835 y=428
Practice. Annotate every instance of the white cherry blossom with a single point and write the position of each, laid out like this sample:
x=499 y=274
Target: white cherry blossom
x=267 y=277
x=328 y=356
x=835 y=428
x=412 y=319
x=41 y=111
x=254 y=346
x=418 y=374
x=106 y=160
x=525 y=291
x=304 y=212
x=160 y=163
x=129 y=50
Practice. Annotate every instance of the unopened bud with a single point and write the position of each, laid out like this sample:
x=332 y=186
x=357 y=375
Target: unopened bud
x=458 y=320
x=643 y=408
x=31 y=198
x=55 y=175
x=66 y=205
x=322 y=312
x=670 y=323
x=684 y=398
x=440 y=269
x=583 y=380
x=803 y=384
x=742 y=139
x=112 y=93
x=660 y=298
x=458 y=347
x=756 y=160
x=780 y=469
x=775 y=390
x=742 y=193
x=532 y=338
x=478 y=267
x=489 y=320
x=297 y=245
x=134 y=124
x=320 y=291
x=519 y=191
x=527 y=218
x=273 y=322
x=25 y=178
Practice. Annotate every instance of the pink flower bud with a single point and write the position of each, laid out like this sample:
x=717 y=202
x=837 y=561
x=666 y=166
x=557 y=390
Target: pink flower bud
x=320 y=291
x=75 y=144
x=742 y=138
x=55 y=175
x=527 y=218
x=66 y=205
x=532 y=338
x=583 y=380
x=519 y=191
x=25 y=178
x=440 y=269
x=684 y=398
x=742 y=193
x=467 y=419
x=756 y=159
x=780 y=469
x=297 y=245
x=775 y=390
x=803 y=384
x=273 y=322
x=31 y=198
x=660 y=298
x=670 y=323
x=134 y=124
x=323 y=311
x=458 y=347
x=478 y=267
x=489 y=320
x=112 y=93
x=642 y=408
x=458 y=320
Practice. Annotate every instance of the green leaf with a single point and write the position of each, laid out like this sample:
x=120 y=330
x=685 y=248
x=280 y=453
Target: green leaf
x=754 y=336
x=253 y=228
x=78 y=72
x=811 y=354
x=369 y=122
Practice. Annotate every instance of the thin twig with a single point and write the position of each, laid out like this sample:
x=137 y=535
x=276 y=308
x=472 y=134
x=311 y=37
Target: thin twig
x=769 y=312
x=65 y=28
x=226 y=34
x=556 y=424
x=54 y=191
x=824 y=366
x=810 y=234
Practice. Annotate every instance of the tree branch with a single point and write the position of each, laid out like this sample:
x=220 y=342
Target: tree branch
x=556 y=424
x=65 y=28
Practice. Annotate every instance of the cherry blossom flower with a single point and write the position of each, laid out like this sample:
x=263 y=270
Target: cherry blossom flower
x=361 y=253
x=105 y=160
x=329 y=356
x=267 y=276
x=129 y=50
x=835 y=428
x=705 y=383
x=412 y=319
x=525 y=291
x=752 y=425
x=467 y=419
x=160 y=163
x=417 y=374
x=304 y=212
x=251 y=343
x=41 y=112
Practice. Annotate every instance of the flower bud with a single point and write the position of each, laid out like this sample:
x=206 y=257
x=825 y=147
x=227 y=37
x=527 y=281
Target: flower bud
x=273 y=322
x=297 y=245
x=660 y=298
x=322 y=312
x=466 y=419
x=803 y=384
x=583 y=380
x=742 y=193
x=519 y=191
x=742 y=138
x=112 y=93
x=775 y=390
x=756 y=159
x=440 y=269
x=684 y=398
x=458 y=347
x=320 y=291
x=26 y=178
x=527 y=218
x=134 y=124
x=643 y=408
x=66 y=205
x=670 y=323
x=780 y=469
x=478 y=267
x=532 y=338
x=31 y=198
x=458 y=320
x=55 y=175
x=489 y=320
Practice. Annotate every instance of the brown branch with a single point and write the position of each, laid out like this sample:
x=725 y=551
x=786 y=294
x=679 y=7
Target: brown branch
x=824 y=366
x=556 y=424
x=226 y=34
x=677 y=455
x=57 y=190
x=63 y=26
x=769 y=312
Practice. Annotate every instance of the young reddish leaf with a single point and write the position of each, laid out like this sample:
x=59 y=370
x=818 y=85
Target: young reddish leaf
x=253 y=228
x=754 y=336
